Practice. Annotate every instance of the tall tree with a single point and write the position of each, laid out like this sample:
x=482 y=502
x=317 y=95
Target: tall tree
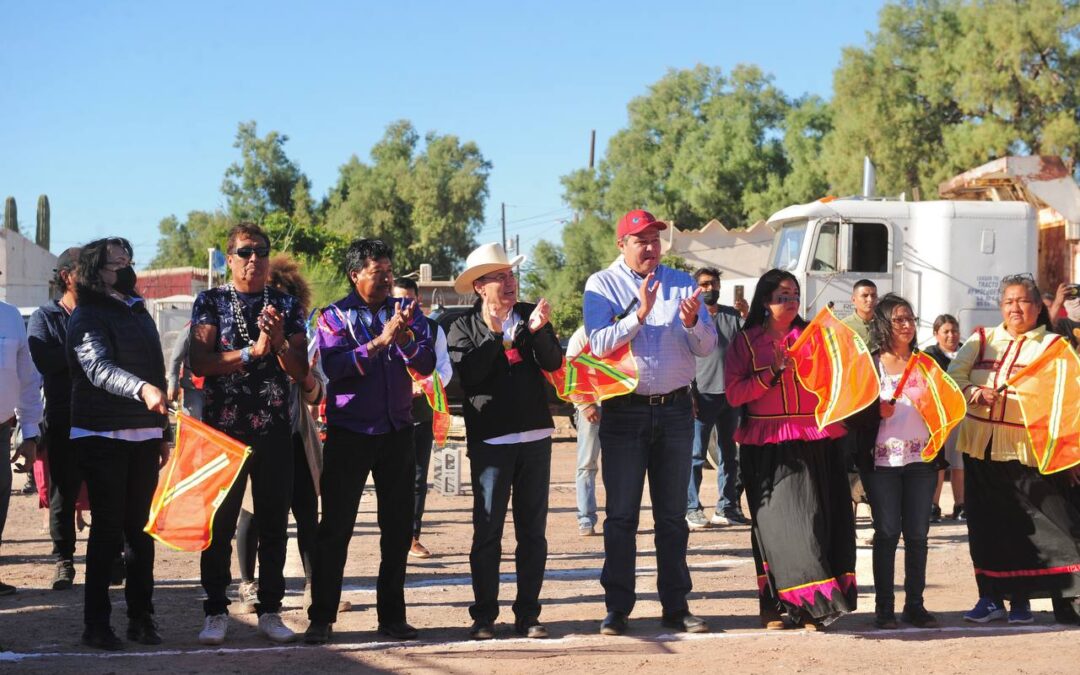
x=945 y=85
x=700 y=145
x=184 y=243
x=264 y=180
x=427 y=200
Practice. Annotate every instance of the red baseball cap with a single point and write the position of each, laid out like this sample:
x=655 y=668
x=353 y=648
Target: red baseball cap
x=636 y=221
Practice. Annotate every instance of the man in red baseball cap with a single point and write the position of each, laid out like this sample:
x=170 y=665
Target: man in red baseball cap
x=650 y=431
x=637 y=221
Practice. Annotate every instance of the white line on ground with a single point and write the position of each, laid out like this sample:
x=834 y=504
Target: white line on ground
x=473 y=645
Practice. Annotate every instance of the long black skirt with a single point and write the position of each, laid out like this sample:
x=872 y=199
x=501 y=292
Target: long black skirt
x=1023 y=530
x=803 y=532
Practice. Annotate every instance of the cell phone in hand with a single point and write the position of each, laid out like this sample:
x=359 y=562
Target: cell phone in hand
x=740 y=293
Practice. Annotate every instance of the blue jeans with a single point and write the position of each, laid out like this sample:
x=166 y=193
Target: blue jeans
x=588 y=455
x=900 y=501
x=523 y=471
x=638 y=439
x=713 y=411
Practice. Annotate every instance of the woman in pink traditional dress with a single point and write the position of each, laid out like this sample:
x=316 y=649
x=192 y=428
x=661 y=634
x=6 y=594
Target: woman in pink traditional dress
x=803 y=532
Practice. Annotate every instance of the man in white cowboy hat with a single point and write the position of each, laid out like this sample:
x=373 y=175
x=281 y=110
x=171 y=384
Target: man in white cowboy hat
x=657 y=310
x=499 y=350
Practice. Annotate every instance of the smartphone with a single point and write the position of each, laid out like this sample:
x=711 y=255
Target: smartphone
x=740 y=293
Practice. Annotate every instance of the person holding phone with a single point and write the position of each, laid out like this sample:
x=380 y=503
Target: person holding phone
x=368 y=341
x=712 y=411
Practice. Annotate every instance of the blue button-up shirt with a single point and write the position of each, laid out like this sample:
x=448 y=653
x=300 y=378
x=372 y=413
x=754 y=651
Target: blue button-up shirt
x=663 y=347
x=369 y=393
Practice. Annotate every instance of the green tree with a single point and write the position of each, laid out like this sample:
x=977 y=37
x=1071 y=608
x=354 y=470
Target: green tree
x=425 y=199
x=945 y=85
x=184 y=243
x=700 y=145
x=265 y=179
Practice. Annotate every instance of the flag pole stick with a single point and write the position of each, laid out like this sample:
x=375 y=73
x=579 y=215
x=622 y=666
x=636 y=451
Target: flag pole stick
x=904 y=378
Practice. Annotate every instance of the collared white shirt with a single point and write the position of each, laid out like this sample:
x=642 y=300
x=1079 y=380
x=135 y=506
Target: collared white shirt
x=20 y=394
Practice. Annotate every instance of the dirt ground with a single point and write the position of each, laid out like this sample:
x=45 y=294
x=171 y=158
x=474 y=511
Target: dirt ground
x=40 y=628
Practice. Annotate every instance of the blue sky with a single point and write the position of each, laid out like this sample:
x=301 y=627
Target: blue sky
x=125 y=112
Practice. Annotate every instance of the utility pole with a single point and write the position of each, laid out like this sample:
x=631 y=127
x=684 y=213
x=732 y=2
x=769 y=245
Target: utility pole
x=592 y=150
x=503 y=242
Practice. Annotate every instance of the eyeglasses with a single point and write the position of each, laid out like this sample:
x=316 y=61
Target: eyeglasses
x=902 y=321
x=246 y=252
x=114 y=265
x=784 y=299
x=502 y=277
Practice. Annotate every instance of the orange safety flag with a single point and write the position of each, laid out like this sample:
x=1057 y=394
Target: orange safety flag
x=834 y=363
x=935 y=396
x=435 y=394
x=1049 y=393
x=199 y=474
x=589 y=379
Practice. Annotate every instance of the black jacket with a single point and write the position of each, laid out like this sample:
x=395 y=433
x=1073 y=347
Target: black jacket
x=47 y=336
x=501 y=398
x=863 y=429
x=111 y=348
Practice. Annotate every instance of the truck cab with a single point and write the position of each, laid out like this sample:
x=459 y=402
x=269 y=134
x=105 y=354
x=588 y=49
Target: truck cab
x=942 y=256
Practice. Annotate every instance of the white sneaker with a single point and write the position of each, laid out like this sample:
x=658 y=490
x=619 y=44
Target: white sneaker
x=274 y=629
x=695 y=520
x=214 y=629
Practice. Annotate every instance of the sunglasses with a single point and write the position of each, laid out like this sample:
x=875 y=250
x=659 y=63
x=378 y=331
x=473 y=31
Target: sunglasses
x=248 y=251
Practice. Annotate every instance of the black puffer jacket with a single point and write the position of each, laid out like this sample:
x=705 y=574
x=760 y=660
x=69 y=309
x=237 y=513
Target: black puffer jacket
x=111 y=348
x=503 y=398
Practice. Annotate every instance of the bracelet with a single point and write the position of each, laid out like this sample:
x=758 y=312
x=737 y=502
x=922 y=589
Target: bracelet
x=245 y=355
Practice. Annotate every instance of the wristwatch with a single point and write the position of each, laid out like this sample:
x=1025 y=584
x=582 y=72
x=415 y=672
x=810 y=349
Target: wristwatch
x=245 y=355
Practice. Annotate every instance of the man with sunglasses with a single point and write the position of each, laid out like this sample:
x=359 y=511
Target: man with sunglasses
x=658 y=311
x=247 y=339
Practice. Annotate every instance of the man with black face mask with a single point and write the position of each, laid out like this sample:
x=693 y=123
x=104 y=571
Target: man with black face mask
x=712 y=411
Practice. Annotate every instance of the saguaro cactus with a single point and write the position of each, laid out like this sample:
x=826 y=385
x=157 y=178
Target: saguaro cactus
x=11 y=215
x=42 y=237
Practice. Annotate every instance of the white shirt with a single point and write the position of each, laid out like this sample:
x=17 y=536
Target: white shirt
x=442 y=356
x=509 y=328
x=902 y=437
x=20 y=394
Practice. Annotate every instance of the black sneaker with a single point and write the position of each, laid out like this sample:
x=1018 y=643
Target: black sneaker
x=885 y=618
x=959 y=513
x=102 y=637
x=918 y=616
x=65 y=575
x=935 y=514
x=144 y=630
x=318 y=633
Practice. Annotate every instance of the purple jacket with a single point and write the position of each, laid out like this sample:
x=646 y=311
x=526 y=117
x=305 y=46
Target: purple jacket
x=369 y=394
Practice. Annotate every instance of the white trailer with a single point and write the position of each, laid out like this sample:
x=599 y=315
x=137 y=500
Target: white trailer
x=945 y=257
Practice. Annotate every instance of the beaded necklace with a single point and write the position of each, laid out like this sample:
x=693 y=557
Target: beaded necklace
x=238 y=313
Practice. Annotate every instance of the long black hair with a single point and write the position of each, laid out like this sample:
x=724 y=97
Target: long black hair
x=759 y=305
x=881 y=325
x=93 y=257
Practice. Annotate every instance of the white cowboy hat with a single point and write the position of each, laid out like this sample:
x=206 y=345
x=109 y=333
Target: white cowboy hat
x=484 y=260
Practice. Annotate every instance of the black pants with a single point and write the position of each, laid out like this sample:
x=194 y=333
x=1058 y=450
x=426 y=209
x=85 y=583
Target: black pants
x=65 y=481
x=121 y=477
x=423 y=437
x=305 y=509
x=348 y=458
x=270 y=468
x=523 y=471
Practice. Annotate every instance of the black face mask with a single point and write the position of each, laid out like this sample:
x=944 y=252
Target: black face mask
x=710 y=297
x=125 y=280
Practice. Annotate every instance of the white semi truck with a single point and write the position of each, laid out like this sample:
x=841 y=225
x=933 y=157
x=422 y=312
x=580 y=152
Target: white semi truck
x=943 y=256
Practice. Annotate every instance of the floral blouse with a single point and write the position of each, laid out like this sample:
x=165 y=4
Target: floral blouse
x=254 y=401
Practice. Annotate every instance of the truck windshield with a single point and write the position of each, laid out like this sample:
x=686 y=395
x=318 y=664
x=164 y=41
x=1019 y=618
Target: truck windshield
x=787 y=245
